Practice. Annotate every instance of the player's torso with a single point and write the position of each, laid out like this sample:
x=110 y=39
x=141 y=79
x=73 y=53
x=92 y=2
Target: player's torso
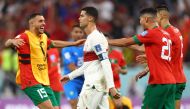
x=94 y=72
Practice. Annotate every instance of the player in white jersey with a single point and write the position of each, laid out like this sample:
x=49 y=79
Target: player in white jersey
x=96 y=67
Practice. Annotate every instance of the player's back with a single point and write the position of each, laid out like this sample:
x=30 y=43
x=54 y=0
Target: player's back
x=74 y=55
x=177 y=53
x=158 y=47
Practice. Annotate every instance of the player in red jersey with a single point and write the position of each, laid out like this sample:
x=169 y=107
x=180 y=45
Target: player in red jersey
x=160 y=92
x=32 y=51
x=176 y=55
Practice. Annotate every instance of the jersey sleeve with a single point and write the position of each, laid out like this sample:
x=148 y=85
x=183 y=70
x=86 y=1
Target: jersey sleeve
x=144 y=37
x=24 y=47
x=67 y=56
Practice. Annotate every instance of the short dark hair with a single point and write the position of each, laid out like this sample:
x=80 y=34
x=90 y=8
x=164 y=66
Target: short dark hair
x=91 y=11
x=150 y=11
x=162 y=7
x=33 y=15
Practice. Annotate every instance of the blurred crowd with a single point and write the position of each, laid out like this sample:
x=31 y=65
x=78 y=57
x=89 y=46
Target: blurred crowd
x=119 y=18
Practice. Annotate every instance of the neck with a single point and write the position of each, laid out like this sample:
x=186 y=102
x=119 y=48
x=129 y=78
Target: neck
x=91 y=27
x=164 y=23
x=153 y=25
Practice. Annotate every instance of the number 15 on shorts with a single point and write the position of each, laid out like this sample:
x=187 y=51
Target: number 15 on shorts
x=42 y=93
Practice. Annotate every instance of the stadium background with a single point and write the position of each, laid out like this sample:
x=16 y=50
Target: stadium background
x=117 y=17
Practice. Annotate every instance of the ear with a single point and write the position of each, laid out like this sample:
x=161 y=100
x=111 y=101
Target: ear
x=90 y=19
x=146 y=19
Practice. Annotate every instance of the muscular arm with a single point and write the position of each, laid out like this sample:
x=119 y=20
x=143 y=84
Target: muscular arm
x=60 y=44
x=123 y=42
x=137 y=48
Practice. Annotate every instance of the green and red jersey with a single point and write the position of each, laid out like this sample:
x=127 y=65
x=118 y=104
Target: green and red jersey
x=33 y=67
x=157 y=44
x=54 y=69
x=177 y=53
x=117 y=60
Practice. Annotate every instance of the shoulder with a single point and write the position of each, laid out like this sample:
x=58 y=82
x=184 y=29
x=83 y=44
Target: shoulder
x=21 y=36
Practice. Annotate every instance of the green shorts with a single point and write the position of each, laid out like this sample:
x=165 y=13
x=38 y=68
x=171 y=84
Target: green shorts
x=58 y=97
x=159 y=96
x=179 y=90
x=39 y=93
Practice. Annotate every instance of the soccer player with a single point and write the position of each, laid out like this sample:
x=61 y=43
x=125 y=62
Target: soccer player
x=96 y=67
x=177 y=52
x=72 y=59
x=54 y=71
x=33 y=69
x=160 y=92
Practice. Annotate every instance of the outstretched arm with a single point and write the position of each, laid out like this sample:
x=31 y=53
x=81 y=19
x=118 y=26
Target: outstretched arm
x=14 y=42
x=61 y=44
x=138 y=48
x=123 y=42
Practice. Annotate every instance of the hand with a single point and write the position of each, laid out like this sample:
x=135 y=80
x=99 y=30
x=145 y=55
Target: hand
x=80 y=42
x=65 y=79
x=17 y=42
x=141 y=59
x=141 y=74
x=113 y=92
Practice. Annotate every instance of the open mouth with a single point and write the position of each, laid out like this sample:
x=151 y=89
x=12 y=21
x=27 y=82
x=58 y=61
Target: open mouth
x=42 y=27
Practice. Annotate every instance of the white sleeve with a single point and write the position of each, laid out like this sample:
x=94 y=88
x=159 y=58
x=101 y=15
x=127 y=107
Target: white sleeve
x=107 y=70
x=77 y=72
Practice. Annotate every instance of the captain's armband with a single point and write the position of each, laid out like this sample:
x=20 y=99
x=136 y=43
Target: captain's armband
x=103 y=56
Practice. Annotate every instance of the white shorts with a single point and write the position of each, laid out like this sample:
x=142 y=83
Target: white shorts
x=93 y=99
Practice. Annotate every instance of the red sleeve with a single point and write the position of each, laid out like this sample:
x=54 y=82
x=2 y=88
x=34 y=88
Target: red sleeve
x=24 y=47
x=146 y=37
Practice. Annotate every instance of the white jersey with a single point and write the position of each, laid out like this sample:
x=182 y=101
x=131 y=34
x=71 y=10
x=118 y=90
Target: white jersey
x=95 y=44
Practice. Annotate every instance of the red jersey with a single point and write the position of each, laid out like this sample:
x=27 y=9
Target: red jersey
x=54 y=69
x=26 y=75
x=117 y=60
x=158 y=51
x=177 y=54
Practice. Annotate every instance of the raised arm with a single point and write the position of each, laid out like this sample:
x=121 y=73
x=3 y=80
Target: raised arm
x=61 y=44
x=138 y=48
x=123 y=42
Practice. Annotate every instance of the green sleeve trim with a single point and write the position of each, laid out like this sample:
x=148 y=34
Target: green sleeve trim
x=166 y=26
x=136 y=40
x=51 y=45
